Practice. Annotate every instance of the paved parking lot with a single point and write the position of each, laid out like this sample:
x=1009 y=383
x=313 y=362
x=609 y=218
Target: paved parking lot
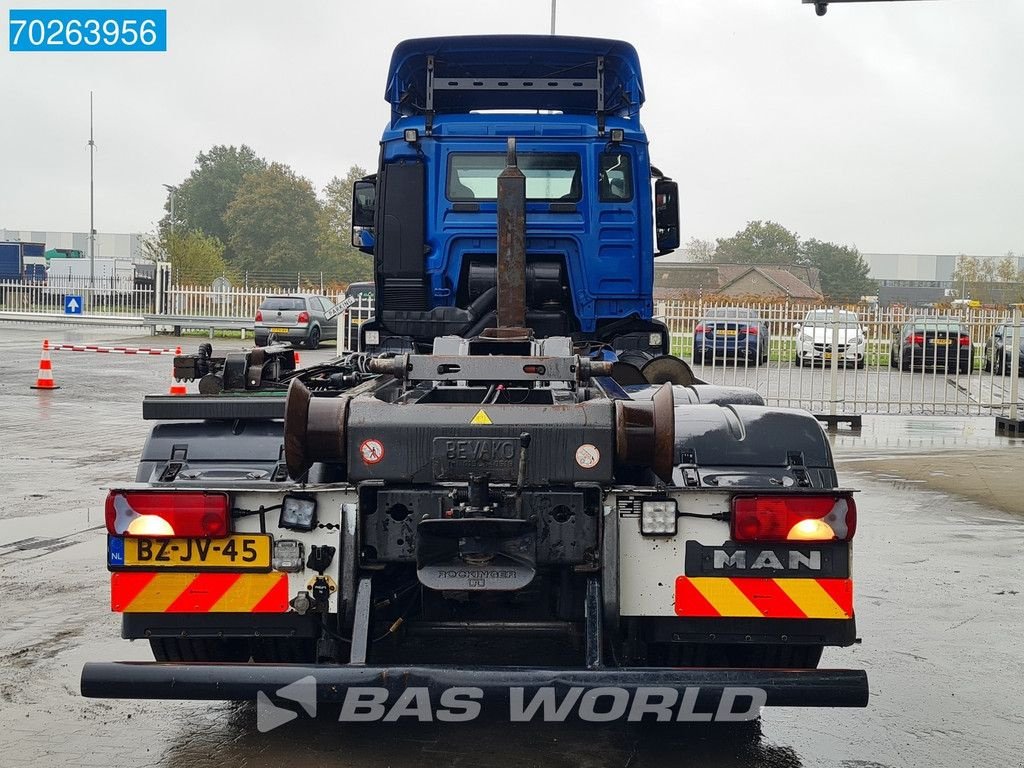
x=940 y=603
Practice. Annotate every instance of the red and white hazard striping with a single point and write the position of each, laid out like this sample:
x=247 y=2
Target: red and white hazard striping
x=111 y=350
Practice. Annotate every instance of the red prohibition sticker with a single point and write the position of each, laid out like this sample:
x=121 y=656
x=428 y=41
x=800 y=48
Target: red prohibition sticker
x=371 y=451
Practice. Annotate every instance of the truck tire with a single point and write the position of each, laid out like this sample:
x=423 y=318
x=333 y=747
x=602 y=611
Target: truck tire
x=199 y=649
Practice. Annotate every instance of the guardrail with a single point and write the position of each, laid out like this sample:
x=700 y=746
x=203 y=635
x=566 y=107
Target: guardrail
x=110 y=321
x=180 y=323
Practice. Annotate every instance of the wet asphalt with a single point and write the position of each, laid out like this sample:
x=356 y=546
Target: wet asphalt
x=939 y=598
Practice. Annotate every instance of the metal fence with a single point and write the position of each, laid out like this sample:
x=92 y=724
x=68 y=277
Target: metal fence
x=882 y=381
x=830 y=384
x=100 y=298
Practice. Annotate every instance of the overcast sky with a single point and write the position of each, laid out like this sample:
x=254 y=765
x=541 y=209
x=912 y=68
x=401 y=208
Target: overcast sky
x=897 y=127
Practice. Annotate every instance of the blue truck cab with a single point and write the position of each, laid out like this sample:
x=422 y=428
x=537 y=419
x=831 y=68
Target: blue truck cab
x=596 y=211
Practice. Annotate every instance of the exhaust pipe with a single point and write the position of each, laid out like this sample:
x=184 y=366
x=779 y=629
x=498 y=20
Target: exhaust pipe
x=511 y=256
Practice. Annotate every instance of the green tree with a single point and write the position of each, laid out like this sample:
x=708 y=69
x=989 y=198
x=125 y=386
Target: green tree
x=1006 y=269
x=195 y=258
x=760 y=242
x=201 y=201
x=337 y=254
x=272 y=222
x=967 y=276
x=700 y=251
x=844 y=273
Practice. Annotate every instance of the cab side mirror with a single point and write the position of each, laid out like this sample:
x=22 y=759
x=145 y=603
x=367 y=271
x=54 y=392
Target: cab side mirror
x=364 y=211
x=666 y=215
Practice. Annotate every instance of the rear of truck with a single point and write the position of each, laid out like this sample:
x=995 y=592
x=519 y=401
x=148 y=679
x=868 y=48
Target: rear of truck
x=443 y=538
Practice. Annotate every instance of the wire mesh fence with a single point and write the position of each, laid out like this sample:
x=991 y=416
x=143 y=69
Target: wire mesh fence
x=831 y=360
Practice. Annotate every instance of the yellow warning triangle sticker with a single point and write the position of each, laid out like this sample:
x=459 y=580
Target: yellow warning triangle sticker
x=481 y=417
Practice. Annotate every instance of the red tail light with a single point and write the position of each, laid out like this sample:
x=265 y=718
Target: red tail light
x=965 y=341
x=700 y=329
x=751 y=329
x=793 y=518
x=175 y=513
x=259 y=316
x=916 y=339
x=303 y=317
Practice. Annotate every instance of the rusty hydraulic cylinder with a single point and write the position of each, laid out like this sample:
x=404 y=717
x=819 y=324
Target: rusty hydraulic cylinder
x=511 y=257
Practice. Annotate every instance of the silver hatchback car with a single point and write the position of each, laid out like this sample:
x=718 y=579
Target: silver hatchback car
x=301 y=318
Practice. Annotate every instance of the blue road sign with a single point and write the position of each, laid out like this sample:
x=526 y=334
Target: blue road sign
x=72 y=305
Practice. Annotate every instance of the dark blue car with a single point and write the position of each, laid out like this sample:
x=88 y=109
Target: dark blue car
x=731 y=333
x=998 y=357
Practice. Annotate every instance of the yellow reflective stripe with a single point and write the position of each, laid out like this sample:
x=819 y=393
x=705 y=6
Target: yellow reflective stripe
x=725 y=596
x=163 y=590
x=246 y=593
x=812 y=599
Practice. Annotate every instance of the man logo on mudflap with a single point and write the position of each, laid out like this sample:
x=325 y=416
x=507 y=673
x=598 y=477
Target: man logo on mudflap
x=767 y=558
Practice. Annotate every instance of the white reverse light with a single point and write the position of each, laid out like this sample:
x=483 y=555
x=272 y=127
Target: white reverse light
x=298 y=513
x=658 y=518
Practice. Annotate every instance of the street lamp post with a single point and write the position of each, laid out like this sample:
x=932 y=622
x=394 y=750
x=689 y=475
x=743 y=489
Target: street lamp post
x=554 y=4
x=92 y=207
x=171 y=189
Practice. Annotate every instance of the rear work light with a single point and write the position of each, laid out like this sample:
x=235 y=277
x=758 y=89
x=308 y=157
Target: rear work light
x=259 y=316
x=303 y=317
x=189 y=514
x=794 y=518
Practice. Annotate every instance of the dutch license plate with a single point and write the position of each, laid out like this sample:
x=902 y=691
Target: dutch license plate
x=727 y=332
x=941 y=342
x=236 y=552
x=279 y=330
x=828 y=355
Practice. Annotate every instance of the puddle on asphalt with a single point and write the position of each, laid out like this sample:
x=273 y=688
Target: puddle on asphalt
x=882 y=436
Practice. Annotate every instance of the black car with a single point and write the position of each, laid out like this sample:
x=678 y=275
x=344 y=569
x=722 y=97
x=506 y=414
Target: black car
x=932 y=342
x=731 y=333
x=997 y=350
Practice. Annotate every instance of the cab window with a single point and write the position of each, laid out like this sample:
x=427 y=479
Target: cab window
x=615 y=179
x=550 y=176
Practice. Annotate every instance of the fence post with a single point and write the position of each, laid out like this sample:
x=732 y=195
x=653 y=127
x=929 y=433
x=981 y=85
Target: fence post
x=834 y=384
x=1015 y=364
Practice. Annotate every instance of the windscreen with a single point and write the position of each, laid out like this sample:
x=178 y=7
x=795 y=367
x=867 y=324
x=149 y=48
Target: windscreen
x=940 y=328
x=825 y=316
x=734 y=313
x=549 y=176
x=283 y=303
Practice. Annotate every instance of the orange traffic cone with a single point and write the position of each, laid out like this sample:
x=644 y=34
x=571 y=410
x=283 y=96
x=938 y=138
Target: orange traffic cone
x=298 y=360
x=177 y=387
x=44 y=379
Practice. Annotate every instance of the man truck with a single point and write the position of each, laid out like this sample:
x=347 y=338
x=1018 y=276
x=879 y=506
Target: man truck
x=514 y=490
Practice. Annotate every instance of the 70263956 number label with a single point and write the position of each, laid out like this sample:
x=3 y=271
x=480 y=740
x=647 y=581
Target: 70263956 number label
x=93 y=30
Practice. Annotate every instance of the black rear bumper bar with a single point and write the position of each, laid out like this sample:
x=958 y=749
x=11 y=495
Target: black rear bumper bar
x=242 y=682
